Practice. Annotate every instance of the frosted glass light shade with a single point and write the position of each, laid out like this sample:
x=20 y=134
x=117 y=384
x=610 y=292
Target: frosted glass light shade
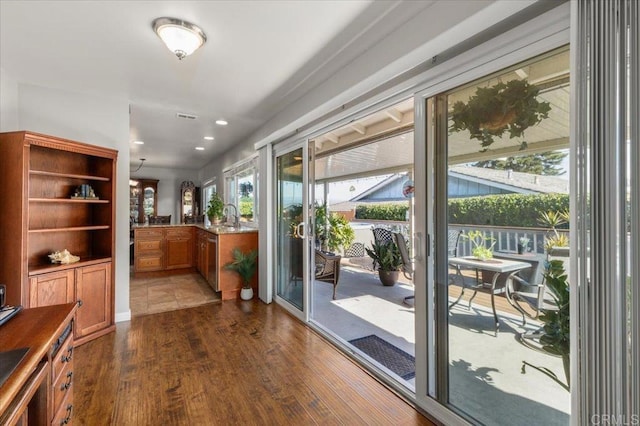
x=180 y=37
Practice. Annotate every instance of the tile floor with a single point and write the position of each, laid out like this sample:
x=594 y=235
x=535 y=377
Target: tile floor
x=163 y=294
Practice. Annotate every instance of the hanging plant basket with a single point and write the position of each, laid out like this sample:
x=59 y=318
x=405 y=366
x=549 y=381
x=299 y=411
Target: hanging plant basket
x=505 y=107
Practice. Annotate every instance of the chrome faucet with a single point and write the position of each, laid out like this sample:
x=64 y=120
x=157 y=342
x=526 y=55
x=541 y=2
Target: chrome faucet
x=236 y=217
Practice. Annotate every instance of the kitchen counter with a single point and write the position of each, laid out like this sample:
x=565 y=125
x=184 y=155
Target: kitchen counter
x=216 y=229
x=181 y=248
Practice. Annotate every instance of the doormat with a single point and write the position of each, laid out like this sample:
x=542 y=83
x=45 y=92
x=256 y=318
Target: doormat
x=395 y=359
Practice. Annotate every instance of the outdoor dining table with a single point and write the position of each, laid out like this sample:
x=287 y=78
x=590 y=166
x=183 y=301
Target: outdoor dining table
x=499 y=267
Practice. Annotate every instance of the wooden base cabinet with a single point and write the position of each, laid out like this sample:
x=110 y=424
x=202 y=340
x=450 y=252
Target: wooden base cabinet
x=88 y=286
x=179 y=247
x=62 y=196
x=93 y=293
x=54 y=288
x=163 y=248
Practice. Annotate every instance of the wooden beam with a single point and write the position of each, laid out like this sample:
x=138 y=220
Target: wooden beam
x=332 y=137
x=394 y=114
x=359 y=128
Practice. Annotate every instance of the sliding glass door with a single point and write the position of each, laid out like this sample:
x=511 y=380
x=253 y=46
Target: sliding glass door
x=291 y=236
x=499 y=149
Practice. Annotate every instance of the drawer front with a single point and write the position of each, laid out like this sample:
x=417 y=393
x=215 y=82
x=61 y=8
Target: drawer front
x=178 y=233
x=62 y=359
x=149 y=234
x=63 y=385
x=150 y=245
x=149 y=263
x=64 y=413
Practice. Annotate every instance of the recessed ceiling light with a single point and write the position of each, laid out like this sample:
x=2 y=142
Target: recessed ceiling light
x=138 y=142
x=208 y=138
x=221 y=122
x=199 y=148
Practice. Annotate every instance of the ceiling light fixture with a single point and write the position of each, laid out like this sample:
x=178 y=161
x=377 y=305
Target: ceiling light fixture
x=221 y=122
x=199 y=148
x=181 y=37
x=138 y=142
x=208 y=138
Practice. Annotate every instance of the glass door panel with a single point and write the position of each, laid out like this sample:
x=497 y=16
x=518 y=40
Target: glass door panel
x=290 y=228
x=502 y=211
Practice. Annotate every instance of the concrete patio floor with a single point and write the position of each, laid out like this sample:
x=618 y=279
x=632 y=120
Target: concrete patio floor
x=484 y=370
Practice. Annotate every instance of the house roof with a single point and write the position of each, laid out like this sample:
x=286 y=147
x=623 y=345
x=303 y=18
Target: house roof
x=519 y=182
x=388 y=181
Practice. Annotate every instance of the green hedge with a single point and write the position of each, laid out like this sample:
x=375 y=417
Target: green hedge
x=518 y=210
x=382 y=211
x=246 y=207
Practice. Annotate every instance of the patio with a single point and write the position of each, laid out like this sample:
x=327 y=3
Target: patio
x=485 y=371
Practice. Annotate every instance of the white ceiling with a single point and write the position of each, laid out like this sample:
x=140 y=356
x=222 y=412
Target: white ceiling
x=260 y=55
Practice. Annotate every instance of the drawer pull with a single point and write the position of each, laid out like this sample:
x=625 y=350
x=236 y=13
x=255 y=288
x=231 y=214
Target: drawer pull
x=67 y=385
x=67 y=419
x=67 y=358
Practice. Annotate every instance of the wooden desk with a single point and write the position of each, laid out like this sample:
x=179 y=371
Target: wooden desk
x=31 y=389
x=498 y=267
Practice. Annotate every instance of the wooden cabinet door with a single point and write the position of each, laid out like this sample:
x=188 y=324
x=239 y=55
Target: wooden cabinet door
x=93 y=292
x=53 y=288
x=179 y=248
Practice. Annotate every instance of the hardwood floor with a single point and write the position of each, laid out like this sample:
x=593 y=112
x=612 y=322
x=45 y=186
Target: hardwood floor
x=226 y=363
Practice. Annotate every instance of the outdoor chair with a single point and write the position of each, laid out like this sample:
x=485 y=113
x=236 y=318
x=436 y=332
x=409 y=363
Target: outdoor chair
x=528 y=298
x=453 y=239
x=407 y=268
x=355 y=250
x=381 y=236
x=327 y=269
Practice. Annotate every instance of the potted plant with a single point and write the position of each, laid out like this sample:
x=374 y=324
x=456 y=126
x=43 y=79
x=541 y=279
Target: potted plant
x=505 y=107
x=482 y=246
x=523 y=245
x=332 y=230
x=245 y=265
x=387 y=257
x=555 y=333
x=215 y=208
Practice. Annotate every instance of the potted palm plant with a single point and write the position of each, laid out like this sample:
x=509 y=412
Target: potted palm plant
x=245 y=265
x=215 y=208
x=387 y=257
x=555 y=335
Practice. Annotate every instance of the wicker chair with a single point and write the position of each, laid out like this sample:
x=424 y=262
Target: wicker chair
x=328 y=269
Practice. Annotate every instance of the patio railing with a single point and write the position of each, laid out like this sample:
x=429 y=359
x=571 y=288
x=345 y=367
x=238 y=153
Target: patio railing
x=506 y=239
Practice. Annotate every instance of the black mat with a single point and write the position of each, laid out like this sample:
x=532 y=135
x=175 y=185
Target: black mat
x=395 y=359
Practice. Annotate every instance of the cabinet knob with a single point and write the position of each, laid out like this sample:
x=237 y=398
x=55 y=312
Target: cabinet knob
x=67 y=419
x=79 y=302
x=68 y=356
x=67 y=385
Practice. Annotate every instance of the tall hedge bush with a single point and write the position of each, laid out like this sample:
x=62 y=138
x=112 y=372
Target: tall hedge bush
x=382 y=211
x=519 y=210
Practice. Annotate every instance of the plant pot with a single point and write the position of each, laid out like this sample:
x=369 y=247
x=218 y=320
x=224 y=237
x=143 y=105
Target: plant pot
x=388 y=278
x=520 y=249
x=566 y=364
x=215 y=220
x=246 y=293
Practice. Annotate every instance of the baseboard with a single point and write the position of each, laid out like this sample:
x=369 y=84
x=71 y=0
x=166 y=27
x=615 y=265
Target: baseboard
x=123 y=316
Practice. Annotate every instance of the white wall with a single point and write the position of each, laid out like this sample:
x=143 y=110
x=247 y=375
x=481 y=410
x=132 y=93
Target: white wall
x=169 y=181
x=8 y=102
x=98 y=121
